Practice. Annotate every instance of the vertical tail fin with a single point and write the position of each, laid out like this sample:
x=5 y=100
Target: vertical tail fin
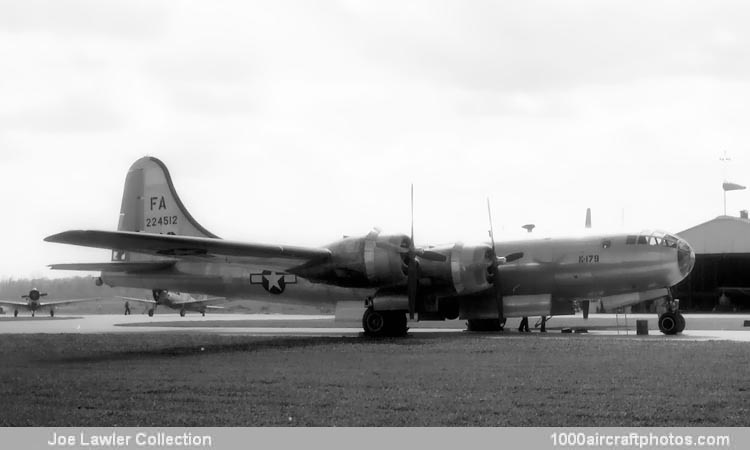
x=150 y=204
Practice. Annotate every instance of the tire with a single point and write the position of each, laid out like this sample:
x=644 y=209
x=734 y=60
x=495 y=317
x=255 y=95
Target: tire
x=52 y=313
x=668 y=323
x=182 y=313
x=680 y=322
x=374 y=322
x=151 y=313
x=483 y=325
x=396 y=323
x=15 y=313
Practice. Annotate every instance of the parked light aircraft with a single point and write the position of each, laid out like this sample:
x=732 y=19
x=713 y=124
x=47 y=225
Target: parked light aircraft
x=160 y=246
x=176 y=300
x=33 y=304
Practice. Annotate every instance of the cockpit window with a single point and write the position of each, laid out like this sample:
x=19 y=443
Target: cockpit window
x=606 y=243
x=630 y=240
x=654 y=240
x=643 y=239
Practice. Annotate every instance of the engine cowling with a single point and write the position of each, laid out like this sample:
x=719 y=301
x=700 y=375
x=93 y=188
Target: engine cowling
x=372 y=260
x=466 y=268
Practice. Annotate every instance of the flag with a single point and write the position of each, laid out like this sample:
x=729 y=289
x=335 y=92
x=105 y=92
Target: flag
x=732 y=186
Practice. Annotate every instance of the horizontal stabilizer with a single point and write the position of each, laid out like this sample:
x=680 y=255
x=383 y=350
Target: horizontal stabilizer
x=194 y=248
x=145 y=266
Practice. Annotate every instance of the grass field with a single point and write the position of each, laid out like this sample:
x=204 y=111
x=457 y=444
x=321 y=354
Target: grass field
x=170 y=379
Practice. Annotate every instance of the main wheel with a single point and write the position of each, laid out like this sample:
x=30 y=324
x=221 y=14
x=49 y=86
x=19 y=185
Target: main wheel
x=668 y=323
x=15 y=313
x=182 y=313
x=151 y=313
x=680 y=322
x=52 y=313
x=395 y=322
x=483 y=325
x=373 y=322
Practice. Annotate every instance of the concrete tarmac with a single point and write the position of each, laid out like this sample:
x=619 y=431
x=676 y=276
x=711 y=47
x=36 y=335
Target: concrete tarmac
x=735 y=327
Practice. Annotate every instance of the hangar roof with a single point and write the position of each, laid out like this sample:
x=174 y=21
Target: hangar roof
x=724 y=234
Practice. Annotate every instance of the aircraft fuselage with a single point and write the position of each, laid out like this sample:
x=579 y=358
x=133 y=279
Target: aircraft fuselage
x=556 y=270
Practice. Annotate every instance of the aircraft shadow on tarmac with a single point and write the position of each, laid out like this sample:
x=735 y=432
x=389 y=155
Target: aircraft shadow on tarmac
x=29 y=318
x=258 y=344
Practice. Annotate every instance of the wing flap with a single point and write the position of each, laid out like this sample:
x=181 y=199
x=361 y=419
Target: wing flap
x=116 y=266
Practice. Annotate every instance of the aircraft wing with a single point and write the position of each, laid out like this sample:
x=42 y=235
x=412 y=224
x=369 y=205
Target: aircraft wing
x=13 y=303
x=194 y=248
x=134 y=299
x=197 y=301
x=64 y=302
x=214 y=307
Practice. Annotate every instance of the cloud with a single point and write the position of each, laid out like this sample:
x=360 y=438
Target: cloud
x=129 y=19
x=73 y=114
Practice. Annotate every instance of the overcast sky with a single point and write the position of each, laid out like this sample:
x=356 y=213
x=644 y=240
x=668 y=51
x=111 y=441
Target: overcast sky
x=296 y=122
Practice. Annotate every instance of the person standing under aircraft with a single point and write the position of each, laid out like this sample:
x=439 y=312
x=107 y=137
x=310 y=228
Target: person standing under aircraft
x=127 y=308
x=524 y=325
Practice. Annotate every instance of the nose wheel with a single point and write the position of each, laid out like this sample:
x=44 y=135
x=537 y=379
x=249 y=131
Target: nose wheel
x=672 y=321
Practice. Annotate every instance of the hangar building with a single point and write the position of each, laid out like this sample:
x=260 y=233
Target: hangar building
x=720 y=280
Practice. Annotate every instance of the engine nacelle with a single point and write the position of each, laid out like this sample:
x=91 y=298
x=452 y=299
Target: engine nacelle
x=372 y=260
x=466 y=268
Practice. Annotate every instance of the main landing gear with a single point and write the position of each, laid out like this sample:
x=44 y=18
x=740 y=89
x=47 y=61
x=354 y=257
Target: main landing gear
x=15 y=313
x=151 y=312
x=672 y=321
x=182 y=313
x=52 y=313
x=485 y=325
x=384 y=323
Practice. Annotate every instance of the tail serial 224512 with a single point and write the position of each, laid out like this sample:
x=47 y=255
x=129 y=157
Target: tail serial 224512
x=160 y=246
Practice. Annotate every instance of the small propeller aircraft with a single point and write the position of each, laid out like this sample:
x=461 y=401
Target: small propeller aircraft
x=160 y=246
x=33 y=302
x=176 y=300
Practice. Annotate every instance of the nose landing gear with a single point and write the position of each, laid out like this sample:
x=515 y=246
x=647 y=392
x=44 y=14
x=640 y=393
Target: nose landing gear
x=672 y=321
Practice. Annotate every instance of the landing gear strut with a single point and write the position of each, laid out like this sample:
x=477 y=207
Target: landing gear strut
x=182 y=313
x=672 y=321
x=15 y=313
x=384 y=323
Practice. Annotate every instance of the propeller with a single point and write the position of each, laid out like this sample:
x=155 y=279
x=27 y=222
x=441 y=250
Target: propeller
x=412 y=272
x=495 y=266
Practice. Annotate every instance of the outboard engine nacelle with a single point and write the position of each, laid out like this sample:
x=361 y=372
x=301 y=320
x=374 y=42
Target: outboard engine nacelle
x=372 y=260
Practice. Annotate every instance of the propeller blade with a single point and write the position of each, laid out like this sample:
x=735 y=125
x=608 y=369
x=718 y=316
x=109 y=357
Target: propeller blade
x=497 y=285
x=431 y=256
x=412 y=285
x=513 y=257
x=496 y=282
x=412 y=215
